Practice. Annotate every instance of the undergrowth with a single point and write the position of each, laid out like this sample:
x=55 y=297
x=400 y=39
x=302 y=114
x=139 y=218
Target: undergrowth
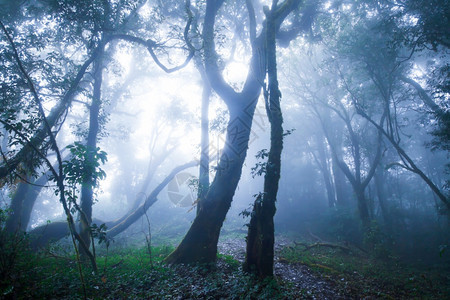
x=128 y=274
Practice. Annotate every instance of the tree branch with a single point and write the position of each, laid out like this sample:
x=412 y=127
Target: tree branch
x=139 y=211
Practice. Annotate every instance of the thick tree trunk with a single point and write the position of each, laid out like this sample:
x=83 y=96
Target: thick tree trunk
x=45 y=234
x=200 y=243
x=14 y=222
x=362 y=206
x=22 y=203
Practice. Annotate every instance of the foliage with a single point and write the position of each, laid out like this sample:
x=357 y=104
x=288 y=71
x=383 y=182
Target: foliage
x=84 y=165
x=128 y=274
x=99 y=232
x=341 y=225
x=16 y=261
x=377 y=241
x=260 y=167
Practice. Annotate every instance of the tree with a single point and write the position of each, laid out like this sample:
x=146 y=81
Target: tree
x=200 y=242
x=58 y=176
x=93 y=27
x=261 y=230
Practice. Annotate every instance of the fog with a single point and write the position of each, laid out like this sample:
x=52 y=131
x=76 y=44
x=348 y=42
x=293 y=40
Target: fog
x=103 y=104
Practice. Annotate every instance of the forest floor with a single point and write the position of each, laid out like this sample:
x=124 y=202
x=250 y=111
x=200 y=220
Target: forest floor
x=300 y=277
x=302 y=271
x=323 y=270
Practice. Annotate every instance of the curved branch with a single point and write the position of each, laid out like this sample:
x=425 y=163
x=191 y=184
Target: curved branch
x=139 y=211
x=224 y=90
x=423 y=95
x=413 y=167
x=252 y=20
x=150 y=44
x=54 y=231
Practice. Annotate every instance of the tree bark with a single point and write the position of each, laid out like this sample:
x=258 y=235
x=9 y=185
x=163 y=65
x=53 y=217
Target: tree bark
x=363 y=208
x=200 y=242
x=14 y=221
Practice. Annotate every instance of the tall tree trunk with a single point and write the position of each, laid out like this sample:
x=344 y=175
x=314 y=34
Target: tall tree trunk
x=23 y=201
x=14 y=221
x=322 y=162
x=87 y=187
x=363 y=208
x=200 y=242
x=381 y=195
x=339 y=185
x=261 y=231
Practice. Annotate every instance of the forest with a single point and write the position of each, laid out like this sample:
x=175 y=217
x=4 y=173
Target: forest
x=212 y=149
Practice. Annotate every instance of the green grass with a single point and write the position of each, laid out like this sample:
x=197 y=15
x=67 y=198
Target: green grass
x=128 y=274
x=357 y=273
